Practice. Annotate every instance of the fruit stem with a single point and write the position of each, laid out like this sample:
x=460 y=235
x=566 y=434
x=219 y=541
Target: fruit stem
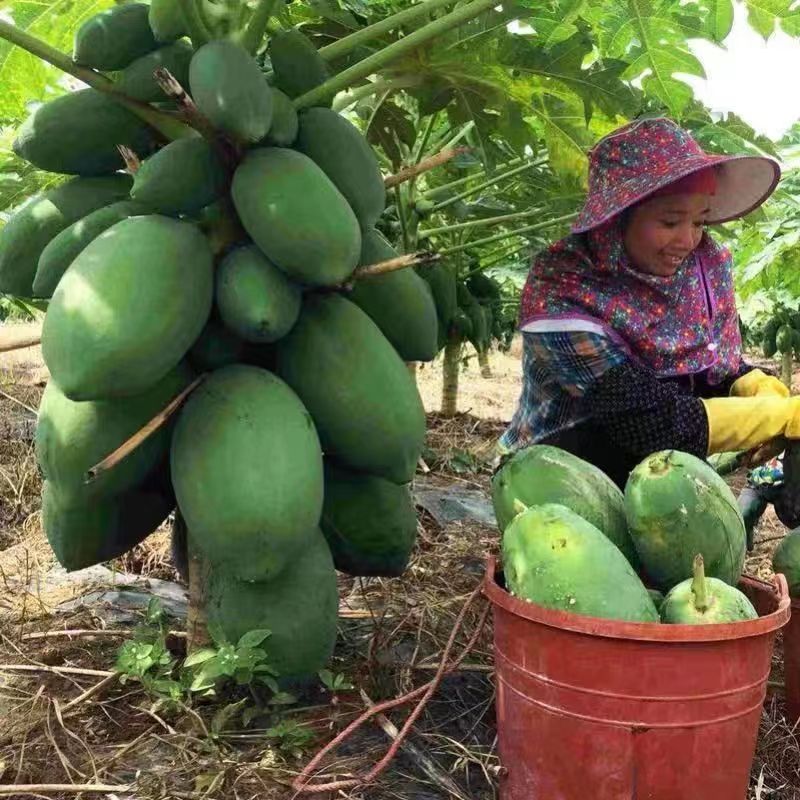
x=165 y=124
x=786 y=369
x=196 y=618
x=699 y=587
x=354 y=40
x=518 y=232
x=476 y=223
x=382 y=58
x=198 y=32
x=257 y=26
x=452 y=363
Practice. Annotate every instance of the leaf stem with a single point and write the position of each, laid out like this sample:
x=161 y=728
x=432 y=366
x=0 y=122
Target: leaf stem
x=493 y=181
x=378 y=60
x=198 y=32
x=165 y=124
x=257 y=26
x=497 y=237
x=476 y=223
x=373 y=87
x=354 y=40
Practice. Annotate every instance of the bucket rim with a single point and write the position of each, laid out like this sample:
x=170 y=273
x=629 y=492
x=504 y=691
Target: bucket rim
x=644 y=631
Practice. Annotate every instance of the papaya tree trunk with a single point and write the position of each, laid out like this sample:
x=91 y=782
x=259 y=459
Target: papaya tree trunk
x=483 y=360
x=786 y=369
x=452 y=365
x=196 y=619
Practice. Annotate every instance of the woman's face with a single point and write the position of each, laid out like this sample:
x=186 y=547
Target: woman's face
x=661 y=232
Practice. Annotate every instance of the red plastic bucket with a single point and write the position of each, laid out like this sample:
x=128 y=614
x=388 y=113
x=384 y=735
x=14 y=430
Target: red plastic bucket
x=593 y=708
x=791 y=663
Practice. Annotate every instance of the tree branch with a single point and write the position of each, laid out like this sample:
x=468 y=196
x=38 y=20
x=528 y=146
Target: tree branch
x=392 y=264
x=134 y=441
x=425 y=165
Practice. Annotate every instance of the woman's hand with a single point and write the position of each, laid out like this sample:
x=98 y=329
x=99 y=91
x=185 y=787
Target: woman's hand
x=758 y=384
x=743 y=423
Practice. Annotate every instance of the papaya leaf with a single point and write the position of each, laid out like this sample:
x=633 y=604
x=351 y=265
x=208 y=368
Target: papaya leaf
x=599 y=85
x=24 y=77
x=651 y=36
x=764 y=15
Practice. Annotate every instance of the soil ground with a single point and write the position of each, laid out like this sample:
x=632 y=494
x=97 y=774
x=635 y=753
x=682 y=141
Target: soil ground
x=90 y=728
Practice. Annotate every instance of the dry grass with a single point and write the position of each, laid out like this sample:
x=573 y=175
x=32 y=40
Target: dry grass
x=391 y=637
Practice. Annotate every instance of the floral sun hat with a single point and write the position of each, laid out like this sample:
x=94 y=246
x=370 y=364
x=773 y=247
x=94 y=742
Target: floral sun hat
x=646 y=155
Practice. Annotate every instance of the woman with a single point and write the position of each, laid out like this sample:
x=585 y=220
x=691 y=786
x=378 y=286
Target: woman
x=631 y=336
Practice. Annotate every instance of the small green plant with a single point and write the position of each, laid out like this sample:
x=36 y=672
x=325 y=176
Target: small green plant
x=206 y=673
x=334 y=682
x=290 y=736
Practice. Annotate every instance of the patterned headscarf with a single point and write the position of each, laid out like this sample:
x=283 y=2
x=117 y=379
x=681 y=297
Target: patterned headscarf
x=679 y=325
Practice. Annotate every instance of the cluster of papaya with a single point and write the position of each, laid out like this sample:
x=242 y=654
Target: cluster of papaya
x=781 y=334
x=468 y=310
x=230 y=256
x=669 y=549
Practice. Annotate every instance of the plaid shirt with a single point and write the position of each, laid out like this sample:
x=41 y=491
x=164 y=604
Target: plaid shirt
x=557 y=369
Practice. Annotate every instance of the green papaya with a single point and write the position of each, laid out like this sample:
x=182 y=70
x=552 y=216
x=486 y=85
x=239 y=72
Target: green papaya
x=299 y=608
x=555 y=558
x=112 y=39
x=364 y=403
x=752 y=504
x=769 y=342
x=400 y=303
x=784 y=339
x=255 y=299
x=78 y=134
x=296 y=216
x=182 y=178
x=42 y=218
x=64 y=248
x=337 y=146
x=542 y=473
x=786 y=561
x=137 y=80
x=285 y=124
x=247 y=471
x=230 y=91
x=483 y=287
x=297 y=65
x=677 y=506
x=86 y=532
x=370 y=523
x=442 y=281
x=166 y=20
x=128 y=308
x=72 y=437
x=705 y=601
x=215 y=347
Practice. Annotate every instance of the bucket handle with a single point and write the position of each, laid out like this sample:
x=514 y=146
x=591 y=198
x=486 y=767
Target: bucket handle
x=782 y=587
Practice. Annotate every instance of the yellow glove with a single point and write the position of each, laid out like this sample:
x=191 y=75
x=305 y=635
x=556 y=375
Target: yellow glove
x=758 y=384
x=741 y=423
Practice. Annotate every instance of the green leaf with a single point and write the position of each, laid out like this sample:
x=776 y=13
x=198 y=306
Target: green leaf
x=24 y=77
x=199 y=656
x=253 y=638
x=225 y=715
